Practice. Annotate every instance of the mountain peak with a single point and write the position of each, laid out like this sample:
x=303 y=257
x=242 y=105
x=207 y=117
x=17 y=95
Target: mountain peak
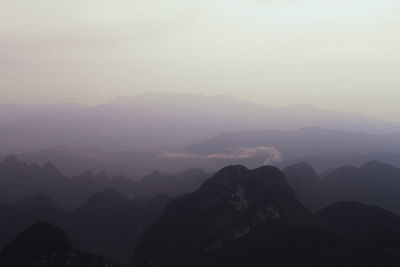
x=230 y=174
x=234 y=203
x=12 y=163
x=10 y=160
x=50 y=169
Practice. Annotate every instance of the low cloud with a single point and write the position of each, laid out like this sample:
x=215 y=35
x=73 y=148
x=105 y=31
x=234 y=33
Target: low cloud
x=272 y=154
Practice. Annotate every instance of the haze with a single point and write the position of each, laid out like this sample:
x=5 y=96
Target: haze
x=340 y=55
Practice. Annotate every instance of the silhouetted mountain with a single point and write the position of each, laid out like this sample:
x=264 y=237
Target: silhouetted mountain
x=242 y=217
x=374 y=183
x=310 y=189
x=229 y=206
x=326 y=163
x=124 y=124
x=12 y=221
x=108 y=224
x=19 y=181
x=374 y=227
x=45 y=245
x=42 y=208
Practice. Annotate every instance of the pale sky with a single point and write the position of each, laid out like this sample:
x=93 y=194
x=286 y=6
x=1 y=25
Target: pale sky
x=337 y=54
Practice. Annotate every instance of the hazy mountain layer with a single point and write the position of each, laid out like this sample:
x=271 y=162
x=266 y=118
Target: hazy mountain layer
x=162 y=121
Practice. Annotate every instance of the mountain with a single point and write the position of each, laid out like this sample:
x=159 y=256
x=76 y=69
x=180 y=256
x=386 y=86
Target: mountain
x=229 y=206
x=19 y=180
x=299 y=143
x=374 y=227
x=73 y=162
x=156 y=122
x=12 y=221
x=42 y=208
x=310 y=189
x=242 y=217
x=46 y=245
x=373 y=183
x=106 y=224
x=9 y=112
x=325 y=163
x=324 y=149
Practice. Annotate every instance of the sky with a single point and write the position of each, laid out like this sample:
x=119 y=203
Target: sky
x=336 y=54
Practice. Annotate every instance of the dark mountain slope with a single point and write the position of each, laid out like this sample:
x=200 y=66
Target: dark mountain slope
x=242 y=217
x=108 y=224
x=310 y=189
x=374 y=183
x=230 y=205
x=42 y=208
x=375 y=228
x=46 y=245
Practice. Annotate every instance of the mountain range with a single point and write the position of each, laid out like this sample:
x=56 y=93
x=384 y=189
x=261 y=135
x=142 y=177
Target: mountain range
x=242 y=217
x=237 y=217
x=157 y=122
x=373 y=183
x=324 y=149
x=18 y=180
x=105 y=224
x=46 y=245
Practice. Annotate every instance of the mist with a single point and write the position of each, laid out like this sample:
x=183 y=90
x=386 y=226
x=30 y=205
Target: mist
x=218 y=133
x=340 y=55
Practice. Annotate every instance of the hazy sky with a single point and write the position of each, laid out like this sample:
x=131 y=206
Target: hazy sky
x=340 y=54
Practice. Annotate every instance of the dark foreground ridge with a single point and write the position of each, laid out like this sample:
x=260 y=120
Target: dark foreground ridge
x=242 y=217
x=46 y=245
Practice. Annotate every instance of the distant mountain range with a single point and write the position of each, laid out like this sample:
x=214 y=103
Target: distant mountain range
x=300 y=143
x=19 y=180
x=9 y=112
x=324 y=149
x=157 y=122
